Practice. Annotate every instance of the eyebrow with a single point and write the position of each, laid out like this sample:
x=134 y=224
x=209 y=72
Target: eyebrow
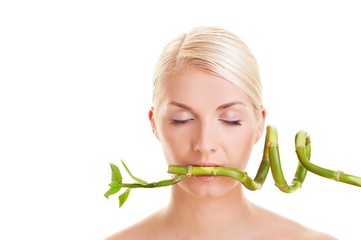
x=230 y=104
x=181 y=105
x=221 y=107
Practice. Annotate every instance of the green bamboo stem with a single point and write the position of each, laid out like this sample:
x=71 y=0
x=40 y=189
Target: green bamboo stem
x=270 y=160
x=302 y=142
x=271 y=145
x=215 y=171
x=163 y=183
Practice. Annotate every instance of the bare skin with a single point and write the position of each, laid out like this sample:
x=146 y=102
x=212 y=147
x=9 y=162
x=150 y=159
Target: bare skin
x=207 y=121
x=230 y=217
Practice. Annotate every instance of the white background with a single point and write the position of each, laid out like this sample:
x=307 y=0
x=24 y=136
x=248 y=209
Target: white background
x=75 y=84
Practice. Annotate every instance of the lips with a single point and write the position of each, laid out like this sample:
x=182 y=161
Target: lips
x=207 y=164
x=206 y=178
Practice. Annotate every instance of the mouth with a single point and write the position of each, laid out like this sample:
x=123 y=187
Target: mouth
x=202 y=171
x=207 y=165
x=206 y=178
x=207 y=172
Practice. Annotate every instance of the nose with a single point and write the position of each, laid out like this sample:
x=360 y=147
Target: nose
x=205 y=138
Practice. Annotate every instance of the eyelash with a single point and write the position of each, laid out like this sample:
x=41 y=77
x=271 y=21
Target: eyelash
x=232 y=123
x=228 y=123
x=180 y=122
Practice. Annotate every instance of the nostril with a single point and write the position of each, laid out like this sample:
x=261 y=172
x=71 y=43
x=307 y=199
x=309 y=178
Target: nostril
x=204 y=149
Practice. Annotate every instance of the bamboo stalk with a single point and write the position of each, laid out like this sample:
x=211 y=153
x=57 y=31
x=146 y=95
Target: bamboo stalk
x=270 y=160
x=303 y=145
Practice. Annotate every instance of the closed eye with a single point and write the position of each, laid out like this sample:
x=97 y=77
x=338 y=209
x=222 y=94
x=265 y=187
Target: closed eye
x=180 y=122
x=232 y=123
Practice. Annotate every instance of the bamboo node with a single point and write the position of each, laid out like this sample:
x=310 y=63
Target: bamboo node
x=271 y=144
x=189 y=171
x=338 y=173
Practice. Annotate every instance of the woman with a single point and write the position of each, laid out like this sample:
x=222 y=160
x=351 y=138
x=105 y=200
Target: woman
x=207 y=111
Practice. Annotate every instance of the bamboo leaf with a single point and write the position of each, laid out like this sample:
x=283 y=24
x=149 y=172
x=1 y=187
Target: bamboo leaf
x=116 y=175
x=112 y=190
x=114 y=184
x=123 y=197
x=138 y=180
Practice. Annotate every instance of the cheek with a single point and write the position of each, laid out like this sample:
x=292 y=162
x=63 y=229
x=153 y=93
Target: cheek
x=240 y=147
x=169 y=138
x=174 y=144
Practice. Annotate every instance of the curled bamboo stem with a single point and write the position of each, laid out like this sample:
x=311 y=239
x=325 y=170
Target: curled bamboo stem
x=270 y=160
x=303 y=144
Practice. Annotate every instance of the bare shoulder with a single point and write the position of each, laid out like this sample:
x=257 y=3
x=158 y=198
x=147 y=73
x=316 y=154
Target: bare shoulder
x=145 y=229
x=301 y=232
x=280 y=227
x=298 y=231
x=136 y=231
x=125 y=234
x=311 y=234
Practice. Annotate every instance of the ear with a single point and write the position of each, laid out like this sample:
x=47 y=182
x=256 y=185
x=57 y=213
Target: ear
x=152 y=121
x=261 y=123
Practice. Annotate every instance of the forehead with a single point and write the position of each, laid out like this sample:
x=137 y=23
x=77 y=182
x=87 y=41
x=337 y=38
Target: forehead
x=197 y=86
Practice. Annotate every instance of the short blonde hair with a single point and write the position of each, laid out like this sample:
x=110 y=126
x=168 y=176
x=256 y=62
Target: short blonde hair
x=212 y=49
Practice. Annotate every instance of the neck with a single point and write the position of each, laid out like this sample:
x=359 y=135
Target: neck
x=208 y=216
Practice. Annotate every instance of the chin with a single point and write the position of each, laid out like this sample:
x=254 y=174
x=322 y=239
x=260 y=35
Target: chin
x=208 y=186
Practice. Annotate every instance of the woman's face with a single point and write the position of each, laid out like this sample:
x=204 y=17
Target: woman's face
x=205 y=120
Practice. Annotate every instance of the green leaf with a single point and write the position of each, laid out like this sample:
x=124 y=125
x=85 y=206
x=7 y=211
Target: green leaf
x=112 y=190
x=114 y=184
x=123 y=197
x=138 y=180
x=116 y=175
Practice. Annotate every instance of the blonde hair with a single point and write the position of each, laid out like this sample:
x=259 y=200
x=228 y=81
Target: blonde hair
x=212 y=49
